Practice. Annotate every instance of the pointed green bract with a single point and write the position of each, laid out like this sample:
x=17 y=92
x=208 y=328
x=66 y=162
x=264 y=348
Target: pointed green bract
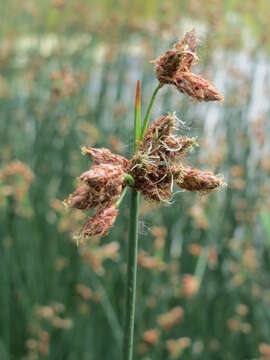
x=137 y=116
x=149 y=109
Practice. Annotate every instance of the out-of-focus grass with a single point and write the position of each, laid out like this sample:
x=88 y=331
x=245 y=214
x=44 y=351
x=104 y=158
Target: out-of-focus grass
x=67 y=78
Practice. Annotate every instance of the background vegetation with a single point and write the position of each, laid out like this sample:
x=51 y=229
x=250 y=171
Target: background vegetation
x=67 y=78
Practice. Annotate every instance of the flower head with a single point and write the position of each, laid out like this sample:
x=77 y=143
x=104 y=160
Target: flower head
x=100 y=188
x=159 y=161
x=174 y=68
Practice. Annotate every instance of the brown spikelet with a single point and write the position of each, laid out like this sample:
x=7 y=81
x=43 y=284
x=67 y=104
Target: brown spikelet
x=188 y=48
x=167 y=65
x=153 y=166
x=104 y=156
x=80 y=199
x=192 y=179
x=158 y=130
x=174 y=68
x=196 y=87
x=176 y=146
x=100 y=185
x=180 y=57
x=100 y=224
x=103 y=174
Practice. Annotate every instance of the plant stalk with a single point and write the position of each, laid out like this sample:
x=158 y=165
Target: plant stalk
x=131 y=276
x=148 y=112
x=132 y=244
x=133 y=229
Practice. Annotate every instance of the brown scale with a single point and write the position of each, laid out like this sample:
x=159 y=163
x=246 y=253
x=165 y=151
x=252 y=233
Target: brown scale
x=104 y=156
x=196 y=87
x=100 y=223
x=193 y=179
x=180 y=57
x=100 y=185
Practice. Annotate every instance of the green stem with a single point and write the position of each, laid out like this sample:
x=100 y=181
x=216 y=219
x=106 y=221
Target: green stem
x=201 y=265
x=148 y=112
x=123 y=194
x=132 y=244
x=131 y=276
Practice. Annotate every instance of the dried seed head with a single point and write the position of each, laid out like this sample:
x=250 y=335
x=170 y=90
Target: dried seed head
x=196 y=87
x=100 y=224
x=103 y=174
x=158 y=130
x=102 y=184
x=196 y=180
x=104 y=156
x=176 y=146
x=174 y=68
x=151 y=177
x=151 y=165
x=167 y=65
x=179 y=58
x=80 y=199
x=158 y=193
x=187 y=46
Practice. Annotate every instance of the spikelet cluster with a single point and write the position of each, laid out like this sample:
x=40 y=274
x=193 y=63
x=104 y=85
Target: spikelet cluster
x=160 y=159
x=99 y=189
x=159 y=163
x=174 y=67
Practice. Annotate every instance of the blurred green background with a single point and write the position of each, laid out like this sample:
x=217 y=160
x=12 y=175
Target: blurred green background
x=68 y=70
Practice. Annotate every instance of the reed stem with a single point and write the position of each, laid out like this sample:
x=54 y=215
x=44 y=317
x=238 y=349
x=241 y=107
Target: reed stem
x=148 y=112
x=133 y=229
x=132 y=244
x=131 y=276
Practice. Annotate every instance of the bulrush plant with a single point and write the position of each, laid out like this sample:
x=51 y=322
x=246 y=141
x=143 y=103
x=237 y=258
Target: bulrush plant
x=159 y=163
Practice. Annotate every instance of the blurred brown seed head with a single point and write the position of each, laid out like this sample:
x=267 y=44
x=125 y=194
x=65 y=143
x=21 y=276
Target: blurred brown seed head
x=171 y=318
x=177 y=346
x=95 y=256
x=85 y=292
x=190 y=286
x=151 y=336
x=61 y=323
x=150 y=262
x=264 y=350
